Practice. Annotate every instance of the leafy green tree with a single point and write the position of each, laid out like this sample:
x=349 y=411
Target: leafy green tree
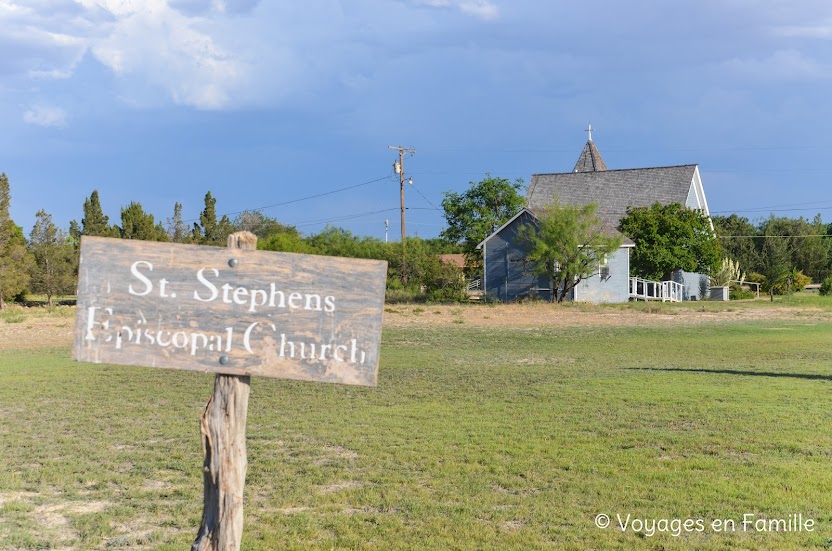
x=670 y=237
x=287 y=242
x=15 y=259
x=566 y=243
x=428 y=278
x=138 y=224
x=95 y=222
x=480 y=211
x=209 y=231
x=54 y=267
x=807 y=252
x=427 y=273
x=260 y=225
x=740 y=249
x=334 y=241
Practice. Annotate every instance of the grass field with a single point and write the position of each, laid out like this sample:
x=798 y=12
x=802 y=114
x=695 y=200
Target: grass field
x=477 y=437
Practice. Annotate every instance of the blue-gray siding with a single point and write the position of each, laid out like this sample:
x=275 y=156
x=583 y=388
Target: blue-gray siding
x=508 y=277
x=615 y=288
x=695 y=284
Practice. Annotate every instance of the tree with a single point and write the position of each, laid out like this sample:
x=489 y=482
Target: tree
x=776 y=259
x=15 y=259
x=54 y=267
x=176 y=229
x=807 y=249
x=729 y=230
x=670 y=237
x=480 y=211
x=334 y=241
x=566 y=243
x=138 y=224
x=259 y=224
x=286 y=242
x=209 y=231
x=95 y=222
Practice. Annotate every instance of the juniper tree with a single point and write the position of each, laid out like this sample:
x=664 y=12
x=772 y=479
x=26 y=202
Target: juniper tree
x=15 y=259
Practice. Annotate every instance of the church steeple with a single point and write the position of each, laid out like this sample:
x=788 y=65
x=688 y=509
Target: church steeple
x=590 y=159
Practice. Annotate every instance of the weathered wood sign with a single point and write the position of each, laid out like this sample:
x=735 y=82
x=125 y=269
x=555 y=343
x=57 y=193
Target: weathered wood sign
x=229 y=311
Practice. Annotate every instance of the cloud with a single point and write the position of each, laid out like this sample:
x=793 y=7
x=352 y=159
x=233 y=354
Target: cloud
x=479 y=8
x=781 y=65
x=149 y=46
x=820 y=31
x=193 y=7
x=45 y=115
x=163 y=48
x=215 y=54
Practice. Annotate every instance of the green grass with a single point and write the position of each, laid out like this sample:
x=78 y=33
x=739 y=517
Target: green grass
x=474 y=439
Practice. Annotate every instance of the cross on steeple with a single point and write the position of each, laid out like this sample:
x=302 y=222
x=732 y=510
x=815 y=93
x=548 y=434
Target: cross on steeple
x=590 y=159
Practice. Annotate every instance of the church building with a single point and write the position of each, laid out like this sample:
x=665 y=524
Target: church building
x=508 y=277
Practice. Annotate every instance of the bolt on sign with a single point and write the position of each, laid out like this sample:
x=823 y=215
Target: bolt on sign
x=229 y=311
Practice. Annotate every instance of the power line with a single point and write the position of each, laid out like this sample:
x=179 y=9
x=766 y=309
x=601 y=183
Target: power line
x=302 y=198
x=523 y=172
x=351 y=216
x=426 y=199
x=617 y=150
x=340 y=218
x=765 y=236
x=769 y=210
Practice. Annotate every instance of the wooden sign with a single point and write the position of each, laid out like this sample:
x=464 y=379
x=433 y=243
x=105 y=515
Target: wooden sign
x=229 y=311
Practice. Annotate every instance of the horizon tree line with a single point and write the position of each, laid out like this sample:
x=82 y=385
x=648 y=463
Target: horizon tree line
x=45 y=262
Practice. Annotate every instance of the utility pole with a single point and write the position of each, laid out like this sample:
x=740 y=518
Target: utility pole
x=398 y=166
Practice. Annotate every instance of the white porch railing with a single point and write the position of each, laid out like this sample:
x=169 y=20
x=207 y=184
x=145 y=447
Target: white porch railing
x=665 y=291
x=475 y=284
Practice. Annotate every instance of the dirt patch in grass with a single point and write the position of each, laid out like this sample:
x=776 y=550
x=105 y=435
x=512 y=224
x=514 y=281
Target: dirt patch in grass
x=337 y=487
x=41 y=329
x=36 y=332
x=544 y=314
x=7 y=497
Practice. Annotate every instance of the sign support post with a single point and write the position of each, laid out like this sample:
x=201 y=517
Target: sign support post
x=236 y=312
x=223 y=428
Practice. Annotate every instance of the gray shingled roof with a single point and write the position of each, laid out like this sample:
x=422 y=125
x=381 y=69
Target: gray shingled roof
x=612 y=190
x=606 y=229
x=590 y=159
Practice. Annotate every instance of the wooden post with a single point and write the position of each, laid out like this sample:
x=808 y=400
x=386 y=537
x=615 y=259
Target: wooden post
x=339 y=313
x=223 y=428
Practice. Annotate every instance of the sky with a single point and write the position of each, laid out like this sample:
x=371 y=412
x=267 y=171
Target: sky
x=280 y=104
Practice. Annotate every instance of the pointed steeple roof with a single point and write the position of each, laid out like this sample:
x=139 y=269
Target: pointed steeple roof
x=590 y=159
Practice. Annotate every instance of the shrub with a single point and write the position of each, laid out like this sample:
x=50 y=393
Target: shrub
x=741 y=294
x=800 y=281
x=796 y=280
x=756 y=277
x=404 y=296
x=826 y=286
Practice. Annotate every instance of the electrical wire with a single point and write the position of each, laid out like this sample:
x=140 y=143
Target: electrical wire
x=340 y=218
x=292 y=201
x=426 y=199
x=765 y=236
